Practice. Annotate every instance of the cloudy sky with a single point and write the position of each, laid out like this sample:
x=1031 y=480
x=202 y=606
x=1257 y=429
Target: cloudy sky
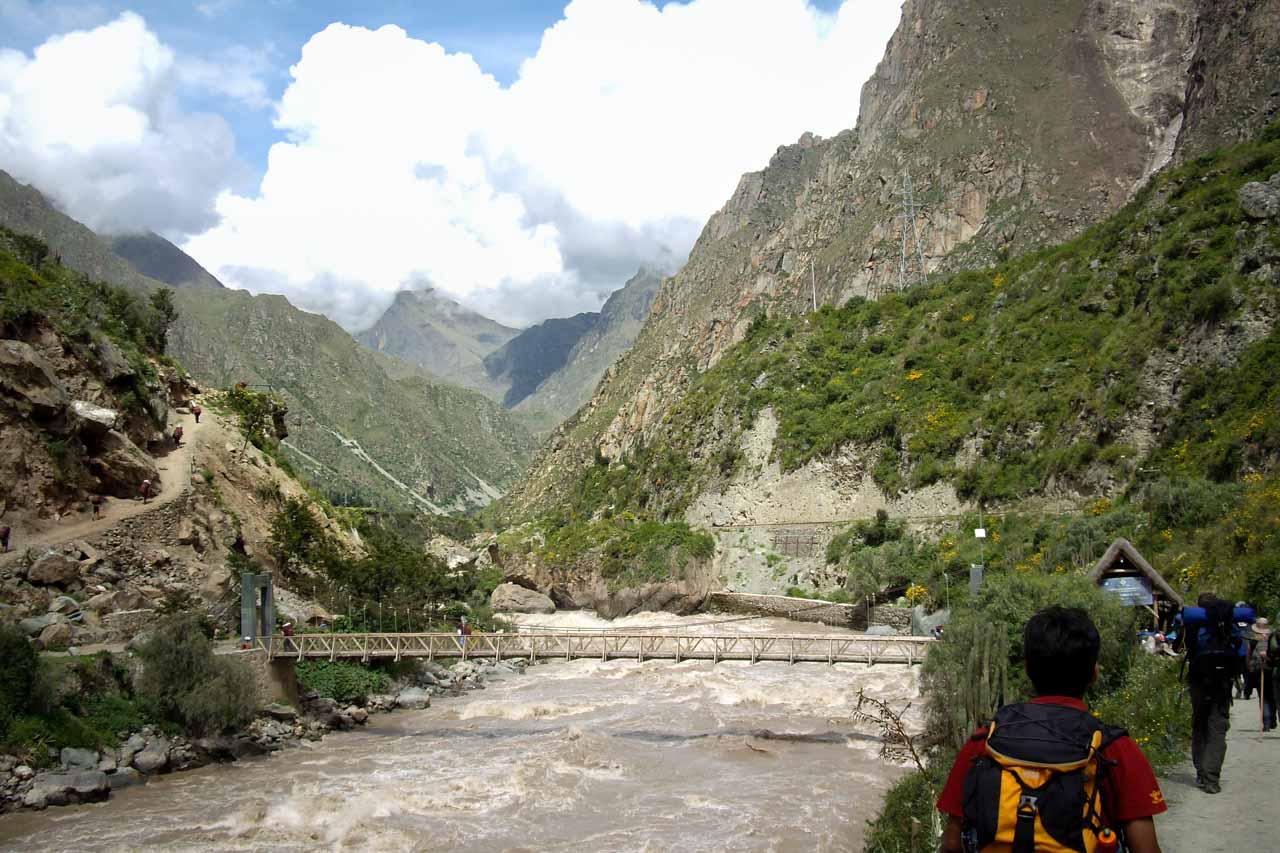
x=525 y=156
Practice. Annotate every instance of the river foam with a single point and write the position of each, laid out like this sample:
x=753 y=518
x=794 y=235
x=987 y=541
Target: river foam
x=583 y=755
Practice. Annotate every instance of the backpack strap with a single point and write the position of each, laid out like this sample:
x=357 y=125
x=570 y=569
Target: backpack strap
x=1024 y=833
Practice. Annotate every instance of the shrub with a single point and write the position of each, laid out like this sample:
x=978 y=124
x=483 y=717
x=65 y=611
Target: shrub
x=19 y=668
x=190 y=685
x=1147 y=703
x=345 y=682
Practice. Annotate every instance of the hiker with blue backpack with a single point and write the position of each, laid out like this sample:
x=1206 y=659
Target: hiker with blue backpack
x=1216 y=656
x=1046 y=776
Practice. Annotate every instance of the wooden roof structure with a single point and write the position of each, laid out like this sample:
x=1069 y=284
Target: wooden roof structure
x=1122 y=558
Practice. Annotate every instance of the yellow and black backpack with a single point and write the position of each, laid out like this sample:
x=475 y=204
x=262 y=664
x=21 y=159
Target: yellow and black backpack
x=1038 y=786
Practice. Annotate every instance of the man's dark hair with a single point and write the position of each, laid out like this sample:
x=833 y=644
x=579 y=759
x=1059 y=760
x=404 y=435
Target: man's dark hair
x=1205 y=599
x=1061 y=648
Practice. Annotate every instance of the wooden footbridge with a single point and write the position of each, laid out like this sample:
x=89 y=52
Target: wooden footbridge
x=602 y=645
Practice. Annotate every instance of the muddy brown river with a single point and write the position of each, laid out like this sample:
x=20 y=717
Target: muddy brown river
x=584 y=755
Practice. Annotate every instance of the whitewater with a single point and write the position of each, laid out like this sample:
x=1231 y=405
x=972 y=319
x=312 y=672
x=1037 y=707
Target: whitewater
x=582 y=755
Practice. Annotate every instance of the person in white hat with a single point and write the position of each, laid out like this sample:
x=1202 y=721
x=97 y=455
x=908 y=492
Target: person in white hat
x=1264 y=656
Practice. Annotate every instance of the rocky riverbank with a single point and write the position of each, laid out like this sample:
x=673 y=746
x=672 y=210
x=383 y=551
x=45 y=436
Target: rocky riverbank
x=72 y=775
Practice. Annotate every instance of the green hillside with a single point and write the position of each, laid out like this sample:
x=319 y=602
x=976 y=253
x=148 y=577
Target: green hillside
x=1129 y=371
x=350 y=413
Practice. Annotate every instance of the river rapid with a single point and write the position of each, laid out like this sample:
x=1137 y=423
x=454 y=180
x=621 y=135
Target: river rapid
x=583 y=755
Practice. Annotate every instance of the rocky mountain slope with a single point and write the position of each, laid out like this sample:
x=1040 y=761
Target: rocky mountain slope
x=524 y=362
x=436 y=333
x=354 y=409
x=1020 y=124
x=154 y=256
x=355 y=430
x=564 y=390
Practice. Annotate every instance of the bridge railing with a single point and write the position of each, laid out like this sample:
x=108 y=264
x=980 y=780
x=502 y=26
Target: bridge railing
x=846 y=648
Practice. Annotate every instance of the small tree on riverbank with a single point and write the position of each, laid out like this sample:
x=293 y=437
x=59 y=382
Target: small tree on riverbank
x=192 y=686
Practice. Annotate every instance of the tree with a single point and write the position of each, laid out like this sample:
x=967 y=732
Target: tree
x=19 y=669
x=165 y=315
x=191 y=685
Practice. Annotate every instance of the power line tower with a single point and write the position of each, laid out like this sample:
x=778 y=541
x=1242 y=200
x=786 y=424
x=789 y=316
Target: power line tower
x=911 y=268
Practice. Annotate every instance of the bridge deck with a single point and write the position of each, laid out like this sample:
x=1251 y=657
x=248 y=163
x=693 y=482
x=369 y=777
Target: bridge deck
x=550 y=645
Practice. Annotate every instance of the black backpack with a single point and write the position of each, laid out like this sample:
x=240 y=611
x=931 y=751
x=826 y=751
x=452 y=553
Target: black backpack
x=1038 y=787
x=1215 y=656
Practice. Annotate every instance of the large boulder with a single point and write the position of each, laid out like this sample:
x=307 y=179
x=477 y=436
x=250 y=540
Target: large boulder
x=112 y=363
x=61 y=789
x=93 y=419
x=79 y=759
x=510 y=598
x=33 y=625
x=27 y=377
x=55 y=636
x=55 y=569
x=413 y=698
x=121 y=467
x=1261 y=201
x=154 y=758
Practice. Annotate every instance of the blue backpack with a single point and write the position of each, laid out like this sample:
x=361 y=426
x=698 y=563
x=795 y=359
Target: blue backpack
x=1215 y=649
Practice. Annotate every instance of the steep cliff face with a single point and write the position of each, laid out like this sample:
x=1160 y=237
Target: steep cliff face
x=154 y=256
x=529 y=358
x=612 y=333
x=1233 y=89
x=1019 y=123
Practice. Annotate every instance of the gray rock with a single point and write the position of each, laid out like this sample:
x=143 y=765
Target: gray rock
x=413 y=698
x=135 y=744
x=125 y=777
x=55 y=569
x=92 y=419
x=358 y=715
x=322 y=705
x=154 y=758
x=7 y=763
x=510 y=598
x=33 y=625
x=1261 y=201
x=277 y=711
x=27 y=377
x=22 y=772
x=60 y=789
x=881 y=631
x=112 y=362
x=108 y=764
x=64 y=604
x=79 y=759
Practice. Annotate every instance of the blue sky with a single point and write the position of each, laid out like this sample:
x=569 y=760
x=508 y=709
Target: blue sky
x=523 y=156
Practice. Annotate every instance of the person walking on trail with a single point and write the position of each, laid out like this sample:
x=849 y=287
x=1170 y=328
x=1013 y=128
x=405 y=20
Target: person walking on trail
x=1266 y=653
x=5 y=530
x=1049 y=765
x=1215 y=656
x=177 y=436
x=95 y=506
x=197 y=411
x=145 y=490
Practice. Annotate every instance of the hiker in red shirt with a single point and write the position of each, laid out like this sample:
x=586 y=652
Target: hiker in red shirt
x=999 y=792
x=145 y=490
x=197 y=411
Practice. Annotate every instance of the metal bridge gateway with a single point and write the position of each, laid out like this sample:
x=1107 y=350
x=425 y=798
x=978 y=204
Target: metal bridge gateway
x=533 y=646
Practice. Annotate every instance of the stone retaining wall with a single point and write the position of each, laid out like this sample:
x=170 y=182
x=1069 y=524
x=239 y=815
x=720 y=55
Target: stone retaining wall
x=852 y=616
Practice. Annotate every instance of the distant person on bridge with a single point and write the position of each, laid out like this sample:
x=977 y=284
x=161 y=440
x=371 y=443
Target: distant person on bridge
x=5 y=530
x=1050 y=763
x=145 y=490
x=464 y=631
x=197 y=411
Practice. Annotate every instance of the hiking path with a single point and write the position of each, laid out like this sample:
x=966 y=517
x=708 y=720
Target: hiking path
x=175 y=480
x=1244 y=816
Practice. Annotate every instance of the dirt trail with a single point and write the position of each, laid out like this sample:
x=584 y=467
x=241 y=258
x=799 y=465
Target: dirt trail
x=175 y=479
x=1242 y=817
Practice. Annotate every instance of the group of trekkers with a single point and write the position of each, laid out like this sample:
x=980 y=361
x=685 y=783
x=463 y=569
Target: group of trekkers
x=1047 y=776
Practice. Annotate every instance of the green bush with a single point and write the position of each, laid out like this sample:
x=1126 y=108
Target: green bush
x=190 y=685
x=911 y=798
x=19 y=669
x=1150 y=705
x=345 y=682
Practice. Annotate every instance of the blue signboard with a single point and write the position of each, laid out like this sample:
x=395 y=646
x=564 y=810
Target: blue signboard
x=1132 y=591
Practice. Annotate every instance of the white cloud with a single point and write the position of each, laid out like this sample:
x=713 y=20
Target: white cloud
x=92 y=119
x=236 y=73
x=402 y=162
